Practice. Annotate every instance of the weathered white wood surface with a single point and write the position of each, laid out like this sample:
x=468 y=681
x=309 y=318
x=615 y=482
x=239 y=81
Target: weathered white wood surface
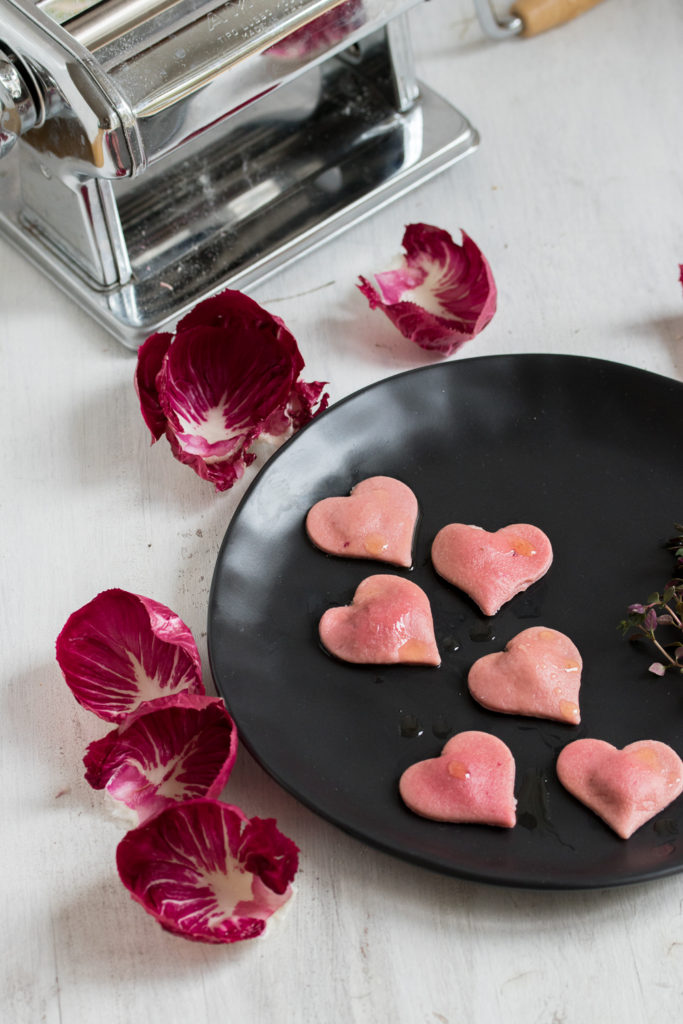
x=576 y=197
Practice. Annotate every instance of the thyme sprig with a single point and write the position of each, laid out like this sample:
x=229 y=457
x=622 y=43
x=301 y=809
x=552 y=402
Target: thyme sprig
x=659 y=620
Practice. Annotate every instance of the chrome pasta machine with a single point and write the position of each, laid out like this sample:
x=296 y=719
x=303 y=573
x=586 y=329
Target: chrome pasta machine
x=154 y=151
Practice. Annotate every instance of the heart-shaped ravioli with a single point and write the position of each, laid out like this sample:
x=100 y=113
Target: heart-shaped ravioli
x=625 y=787
x=491 y=567
x=376 y=520
x=389 y=622
x=472 y=781
x=538 y=674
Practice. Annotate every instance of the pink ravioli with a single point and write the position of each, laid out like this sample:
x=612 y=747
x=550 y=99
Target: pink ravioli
x=491 y=567
x=389 y=622
x=625 y=787
x=538 y=674
x=376 y=520
x=472 y=781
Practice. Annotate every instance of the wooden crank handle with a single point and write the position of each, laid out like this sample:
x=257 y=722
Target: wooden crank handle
x=540 y=15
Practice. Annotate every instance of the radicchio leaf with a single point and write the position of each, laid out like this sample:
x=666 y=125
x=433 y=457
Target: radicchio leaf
x=171 y=749
x=443 y=295
x=150 y=359
x=121 y=650
x=228 y=375
x=321 y=33
x=207 y=872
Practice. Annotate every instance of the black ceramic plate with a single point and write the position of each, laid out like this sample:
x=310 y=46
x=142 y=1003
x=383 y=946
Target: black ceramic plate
x=590 y=451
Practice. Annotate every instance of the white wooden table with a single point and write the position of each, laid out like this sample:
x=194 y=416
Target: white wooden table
x=576 y=198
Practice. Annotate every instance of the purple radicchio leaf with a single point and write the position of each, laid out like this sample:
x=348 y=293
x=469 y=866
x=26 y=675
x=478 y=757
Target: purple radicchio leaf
x=207 y=872
x=228 y=375
x=443 y=295
x=321 y=33
x=121 y=649
x=150 y=358
x=171 y=749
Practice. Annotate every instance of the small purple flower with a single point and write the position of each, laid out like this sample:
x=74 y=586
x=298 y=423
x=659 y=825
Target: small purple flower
x=650 y=620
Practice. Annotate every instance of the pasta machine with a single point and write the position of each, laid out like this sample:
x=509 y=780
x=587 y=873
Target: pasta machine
x=154 y=151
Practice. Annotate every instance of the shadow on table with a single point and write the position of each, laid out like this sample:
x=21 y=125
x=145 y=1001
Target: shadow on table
x=670 y=331
x=371 y=340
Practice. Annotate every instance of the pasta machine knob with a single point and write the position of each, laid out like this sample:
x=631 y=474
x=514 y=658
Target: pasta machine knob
x=19 y=111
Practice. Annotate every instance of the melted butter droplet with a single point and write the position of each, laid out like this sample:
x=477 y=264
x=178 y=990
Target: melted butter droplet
x=450 y=643
x=482 y=632
x=413 y=651
x=375 y=544
x=527 y=820
x=441 y=727
x=458 y=770
x=648 y=757
x=569 y=710
x=409 y=726
x=521 y=546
